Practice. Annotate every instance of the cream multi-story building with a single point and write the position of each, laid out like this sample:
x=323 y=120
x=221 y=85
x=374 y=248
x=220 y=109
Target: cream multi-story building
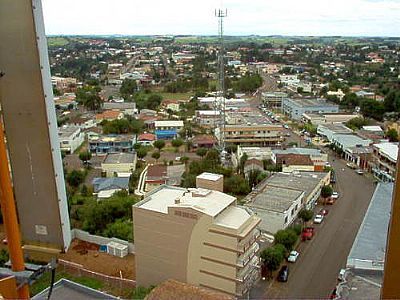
x=197 y=236
x=257 y=135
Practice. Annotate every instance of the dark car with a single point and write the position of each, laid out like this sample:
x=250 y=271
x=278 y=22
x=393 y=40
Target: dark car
x=283 y=274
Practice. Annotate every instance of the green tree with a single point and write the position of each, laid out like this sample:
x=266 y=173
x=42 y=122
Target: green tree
x=357 y=123
x=177 y=143
x=156 y=155
x=128 y=87
x=141 y=153
x=306 y=215
x=392 y=135
x=159 y=144
x=236 y=185
x=121 y=229
x=372 y=109
x=93 y=102
x=273 y=257
x=242 y=162
x=85 y=156
x=326 y=191
x=286 y=237
x=153 y=101
x=201 y=152
x=75 y=178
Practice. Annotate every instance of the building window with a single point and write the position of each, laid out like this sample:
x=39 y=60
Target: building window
x=292 y=212
x=286 y=219
x=297 y=206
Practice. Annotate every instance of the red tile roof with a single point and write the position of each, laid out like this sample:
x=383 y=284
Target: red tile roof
x=147 y=137
x=172 y=289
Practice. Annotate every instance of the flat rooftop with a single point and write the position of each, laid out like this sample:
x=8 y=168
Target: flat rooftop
x=233 y=217
x=119 y=158
x=275 y=198
x=168 y=123
x=391 y=150
x=370 y=242
x=302 y=181
x=210 y=176
x=205 y=201
x=65 y=289
x=67 y=131
x=304 y=102
x=336 y=127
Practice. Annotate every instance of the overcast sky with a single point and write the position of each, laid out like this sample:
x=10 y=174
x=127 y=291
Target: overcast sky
x=245 y=17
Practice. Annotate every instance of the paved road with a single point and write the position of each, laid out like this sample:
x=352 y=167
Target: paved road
x=314 y=274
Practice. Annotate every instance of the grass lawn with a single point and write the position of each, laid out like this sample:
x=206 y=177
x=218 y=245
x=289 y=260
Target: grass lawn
x=57 y=41
x=176 y=96
x=44 y=281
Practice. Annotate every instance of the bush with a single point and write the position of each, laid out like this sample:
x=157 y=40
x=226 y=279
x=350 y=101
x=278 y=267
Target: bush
x=75 y=178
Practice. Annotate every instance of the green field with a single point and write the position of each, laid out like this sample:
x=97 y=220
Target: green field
x=57 y=41
x=176 y=96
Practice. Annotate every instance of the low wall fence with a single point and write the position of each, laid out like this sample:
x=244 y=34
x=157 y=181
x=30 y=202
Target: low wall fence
x=99 y=240
x=78 y=270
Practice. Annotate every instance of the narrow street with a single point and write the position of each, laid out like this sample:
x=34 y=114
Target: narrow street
x=314 y=274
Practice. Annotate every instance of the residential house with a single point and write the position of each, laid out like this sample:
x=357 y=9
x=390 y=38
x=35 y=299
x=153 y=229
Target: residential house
x=146 y=139
x=127 y=108
x=160 y=174
x=204 y=141
x=317 y=157
x=345 y=141
x=196 y=236
x=167 y=129
x=109 y=115
x=106 y=187
x=295 y=162
x=119 y=164
x=103 y=144
x=172 y=105
x=207 y=117
x=71 y=138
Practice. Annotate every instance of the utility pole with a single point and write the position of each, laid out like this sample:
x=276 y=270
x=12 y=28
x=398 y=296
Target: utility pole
x=220 y=95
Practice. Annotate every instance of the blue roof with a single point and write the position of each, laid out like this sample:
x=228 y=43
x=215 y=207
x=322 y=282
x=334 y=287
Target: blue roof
x=105 y=184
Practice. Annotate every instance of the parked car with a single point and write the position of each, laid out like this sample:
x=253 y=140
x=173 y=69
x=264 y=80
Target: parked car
x=341 y=275
x=293 y=256
x=335 y=195
x=283 y=274
x=323 y=212
x=333 y=177
x=307 y=233
x=351 y=165
x=359 y=172
x=285 y=126
x=318 y=219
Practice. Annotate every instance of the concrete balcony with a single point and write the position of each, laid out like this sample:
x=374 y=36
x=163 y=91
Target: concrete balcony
x=246 y=257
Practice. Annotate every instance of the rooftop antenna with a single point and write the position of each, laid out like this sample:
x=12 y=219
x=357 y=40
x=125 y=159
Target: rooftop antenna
x=220 y=94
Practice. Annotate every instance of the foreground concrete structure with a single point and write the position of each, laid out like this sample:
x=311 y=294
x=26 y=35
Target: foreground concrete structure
x=196 y=236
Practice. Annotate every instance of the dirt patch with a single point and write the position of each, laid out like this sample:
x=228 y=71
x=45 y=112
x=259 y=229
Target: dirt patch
x=87 y=254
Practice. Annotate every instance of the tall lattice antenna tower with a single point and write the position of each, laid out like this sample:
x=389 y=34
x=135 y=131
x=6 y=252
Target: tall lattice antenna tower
x=220 y=95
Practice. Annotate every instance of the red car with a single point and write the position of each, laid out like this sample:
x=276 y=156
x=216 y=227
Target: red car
x=307 y=233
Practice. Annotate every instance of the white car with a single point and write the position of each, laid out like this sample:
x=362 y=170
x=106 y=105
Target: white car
x=335 y=195
x=293 y=256
x=318 y=219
